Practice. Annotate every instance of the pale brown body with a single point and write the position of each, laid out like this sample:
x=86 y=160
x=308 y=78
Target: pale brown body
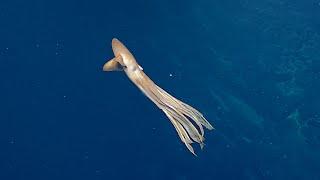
x=178 y=112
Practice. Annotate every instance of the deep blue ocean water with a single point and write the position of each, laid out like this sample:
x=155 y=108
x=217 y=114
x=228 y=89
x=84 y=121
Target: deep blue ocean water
x=251 y=67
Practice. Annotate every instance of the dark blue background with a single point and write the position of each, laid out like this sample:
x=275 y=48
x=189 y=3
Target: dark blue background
x=251 y=67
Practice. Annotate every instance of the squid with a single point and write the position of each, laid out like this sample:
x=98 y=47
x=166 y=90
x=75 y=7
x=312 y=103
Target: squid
x=187 y=121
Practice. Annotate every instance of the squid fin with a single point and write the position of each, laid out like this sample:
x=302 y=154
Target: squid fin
x=113 y=64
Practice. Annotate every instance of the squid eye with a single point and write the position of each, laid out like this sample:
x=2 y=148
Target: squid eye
x=133 y=68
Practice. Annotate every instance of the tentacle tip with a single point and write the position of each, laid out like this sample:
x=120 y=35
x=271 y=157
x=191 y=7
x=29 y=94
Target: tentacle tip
x=202 y=145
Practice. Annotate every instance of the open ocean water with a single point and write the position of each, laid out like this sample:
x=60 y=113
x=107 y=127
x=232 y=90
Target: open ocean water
x=251 y=67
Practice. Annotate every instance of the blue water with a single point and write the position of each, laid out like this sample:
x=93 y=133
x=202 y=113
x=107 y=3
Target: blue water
x=251 y=67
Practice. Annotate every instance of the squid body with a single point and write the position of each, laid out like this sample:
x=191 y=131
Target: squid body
x=187 y=121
